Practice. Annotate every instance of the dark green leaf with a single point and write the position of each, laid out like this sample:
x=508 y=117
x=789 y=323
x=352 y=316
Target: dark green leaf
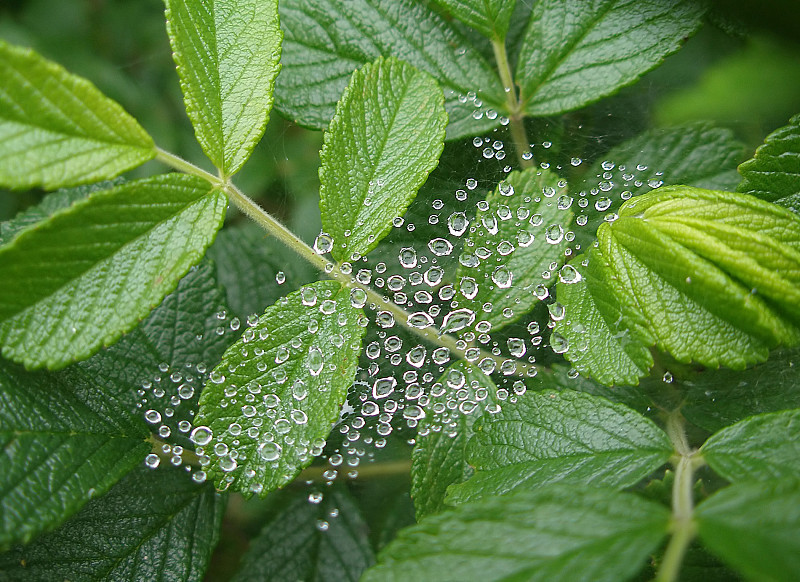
x=590 y=339
x=555 y=533
x=271 y=402
x=718 y=398
x=384 y=140
x=63 y=441
x=153 y=525
x=489 y=17
x=505 y=268
x=694 y=155
x=755 y=528
x=576 y=52
x=49 y=205
x=228 y=56
x=439 y=458
x=758 y=448
x=326 y=40
x=248 y=262
x=320 y=541
x=711 y=277
x=555 y=436
x=774 y=173
x=91 y=271
x=57 y=129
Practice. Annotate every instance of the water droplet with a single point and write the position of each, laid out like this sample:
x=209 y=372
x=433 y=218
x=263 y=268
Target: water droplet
x=308 y=296
x=323 y=243
x=468 y=287
x=420 y=320
x=358 y=298
x=559 y=343
x=315 y=361
x=502 y=277
x=602 y=204
x=152 y=460
x=554 y=234
x=440 y=247
x=201 y=436
x=383 y=387
x=269 y=451
x=568 y=274
x=516 y=347
x=457 y=223
x=408 y=257
x=280 y=277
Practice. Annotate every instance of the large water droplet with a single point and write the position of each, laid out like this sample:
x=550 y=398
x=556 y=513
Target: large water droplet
x=440 y=247
x=408 y=257
x=201 y=436
x=315 y=360
x=568 y=274
x=420 y=320
x=269 y=451
x=457 y=320
x=323 y=243
x=457 y=223
x=383 y=387
x=502 y=277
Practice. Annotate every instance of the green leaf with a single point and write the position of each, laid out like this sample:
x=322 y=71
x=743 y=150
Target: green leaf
x=755 y=528
x=774 y=173
x=271 y=402
x=504 y=268
x=591 y=339
x=91 y=271
x=697 y=154
x=384 y=140
x=228 y=55
x=323 y=541
x=575 y=52
x=718 y=398
x=57 y=129
x=153 y=525
x=439 y=458
x=711 y=276
x=489 y=17
x=49 y=205
x=553 y=436
x=248 y=262
x=326 y=40
x=555 y=533
x=758 y=448
x=63 y=441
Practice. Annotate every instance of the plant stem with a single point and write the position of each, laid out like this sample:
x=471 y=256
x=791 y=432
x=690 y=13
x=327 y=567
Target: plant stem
x=516 y=116
x=682 y=525
x=333 y=270
x=365 y=471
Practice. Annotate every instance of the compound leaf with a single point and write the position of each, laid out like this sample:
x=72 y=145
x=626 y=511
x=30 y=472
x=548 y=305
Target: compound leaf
x=272 y=400
x=758 y=448
x=63 y=441
x=326 y=40
x=153 y=525
x=575 y=52
x=754 y=528
x=440 y=453
x=384 y=140
x=552 y=436
x=306 y=541
x=489 y=17
x=774 y=173
x=555 y=533
x=92 y=271
x=57 y=129
x=518 y=234
x=228 y=55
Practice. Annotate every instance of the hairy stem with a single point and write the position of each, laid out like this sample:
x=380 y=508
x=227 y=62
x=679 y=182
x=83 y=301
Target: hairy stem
x=516 y=116
x=683 y=527
x=333 y=270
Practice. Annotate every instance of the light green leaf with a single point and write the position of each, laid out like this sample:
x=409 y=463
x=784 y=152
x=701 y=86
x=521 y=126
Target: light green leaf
x=755 y=528
x=384 y=140
x=63 y=441
x=774 y=173
x=553 y=436
x=758 y=448
x=91 y=271
x=294 y=546
x=576 y=52
x=697 y=154
x=228 y=55
x=555 y=533
x=713 y=277
x=439 y=459
x=248 y=262
x=326 y=40
x=272 y=400
x=153 y=525
x=489 y=17
x=593 y=341
x=716 y=399
x=57 y=129
x=505 y=264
